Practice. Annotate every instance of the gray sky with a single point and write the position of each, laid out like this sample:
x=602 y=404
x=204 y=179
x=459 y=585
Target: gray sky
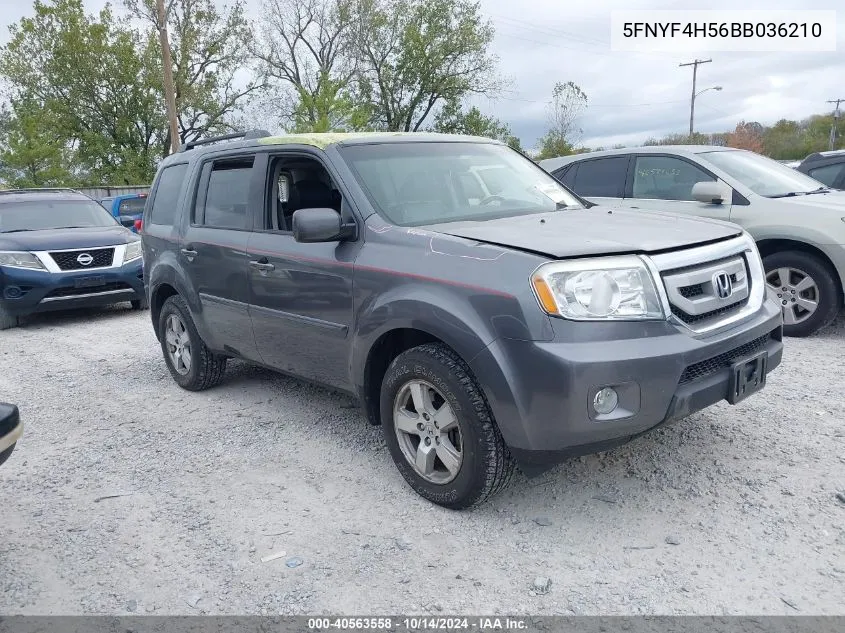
x=631 y=95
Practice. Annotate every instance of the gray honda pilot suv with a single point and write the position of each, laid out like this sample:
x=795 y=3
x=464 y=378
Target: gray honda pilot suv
x=482 y=313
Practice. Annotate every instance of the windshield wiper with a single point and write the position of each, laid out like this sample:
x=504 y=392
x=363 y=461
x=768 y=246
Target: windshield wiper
x=792 y=194
x=17 y=231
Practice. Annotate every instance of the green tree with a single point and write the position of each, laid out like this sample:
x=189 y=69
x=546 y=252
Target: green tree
x=209 y=49
x=417 y=54
x=453 y=119
x=307 y=49
x=88 y=79
x=32 y=155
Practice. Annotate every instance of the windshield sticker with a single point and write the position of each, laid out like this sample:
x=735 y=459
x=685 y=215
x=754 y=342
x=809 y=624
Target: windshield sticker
x=551 y=191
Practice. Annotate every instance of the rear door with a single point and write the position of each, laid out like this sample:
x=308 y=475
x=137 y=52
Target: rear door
x=214 y=255
x=600 y=180
x=301 y=294
x=662 y=182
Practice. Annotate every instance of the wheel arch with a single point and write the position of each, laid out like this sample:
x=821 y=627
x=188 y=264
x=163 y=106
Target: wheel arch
x=770 y=246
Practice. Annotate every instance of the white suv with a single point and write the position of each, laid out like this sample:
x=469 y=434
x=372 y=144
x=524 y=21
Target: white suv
x=798 y=223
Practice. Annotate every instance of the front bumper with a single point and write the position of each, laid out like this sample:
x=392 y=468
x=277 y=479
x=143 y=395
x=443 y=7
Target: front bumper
x=541 y=392
x=25 y=292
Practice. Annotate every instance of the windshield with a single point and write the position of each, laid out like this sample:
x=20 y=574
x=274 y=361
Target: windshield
x=764 y=176
x=413 y=184
x=39 y=215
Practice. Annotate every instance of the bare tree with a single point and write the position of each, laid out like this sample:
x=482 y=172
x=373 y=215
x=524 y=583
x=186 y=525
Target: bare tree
x=308 y=46
x=567 y=104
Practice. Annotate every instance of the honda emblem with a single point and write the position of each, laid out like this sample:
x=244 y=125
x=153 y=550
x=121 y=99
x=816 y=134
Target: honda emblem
x=722 y=285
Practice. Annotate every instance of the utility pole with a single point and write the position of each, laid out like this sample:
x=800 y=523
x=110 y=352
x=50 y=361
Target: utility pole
x=169 y=88
x=692 y=100
x=833 y=130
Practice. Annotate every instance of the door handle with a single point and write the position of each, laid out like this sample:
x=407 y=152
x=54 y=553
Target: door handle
x=263 y=266
x=189 y=253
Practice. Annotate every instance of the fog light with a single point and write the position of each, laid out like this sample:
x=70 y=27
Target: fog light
x=13 y=292
x=605 y=400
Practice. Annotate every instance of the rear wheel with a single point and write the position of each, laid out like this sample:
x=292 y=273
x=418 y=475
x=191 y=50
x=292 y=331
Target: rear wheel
x=439 y=428
x=805 y=288
x=192 y=365
x=7 y=319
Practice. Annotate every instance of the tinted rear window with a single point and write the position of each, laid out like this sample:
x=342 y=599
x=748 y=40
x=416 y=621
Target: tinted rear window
x=132 y=206
x=603 y=177
x=167 y=192
x=228 y=195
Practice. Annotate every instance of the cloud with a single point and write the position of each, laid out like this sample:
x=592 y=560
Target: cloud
x=631 y=95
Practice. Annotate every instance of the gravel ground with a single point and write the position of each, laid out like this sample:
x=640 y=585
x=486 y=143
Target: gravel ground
x=731 y=511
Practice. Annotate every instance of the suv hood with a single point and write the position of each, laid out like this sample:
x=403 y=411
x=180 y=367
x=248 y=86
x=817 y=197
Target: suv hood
x=63 y=239
x=594 y=231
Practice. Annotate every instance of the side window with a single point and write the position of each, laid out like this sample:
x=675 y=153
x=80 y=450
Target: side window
x=227 y=196
x=163 y=210
x=566 y=175
x=602 y=177
x=666 y=178
x=828 y=174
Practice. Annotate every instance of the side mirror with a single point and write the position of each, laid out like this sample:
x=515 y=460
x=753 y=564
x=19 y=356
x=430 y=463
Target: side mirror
x=708 y=192
x=320 y=225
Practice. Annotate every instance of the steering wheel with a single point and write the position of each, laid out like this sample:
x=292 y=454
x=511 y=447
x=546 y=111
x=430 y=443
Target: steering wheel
x=491 y=198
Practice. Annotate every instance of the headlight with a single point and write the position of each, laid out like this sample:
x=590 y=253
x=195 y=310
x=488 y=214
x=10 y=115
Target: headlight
x=19 y=259
x=612 y=288
x=133 y=251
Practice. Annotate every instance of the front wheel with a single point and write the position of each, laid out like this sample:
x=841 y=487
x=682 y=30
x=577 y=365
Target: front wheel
x=805 y=288
x=439 y=428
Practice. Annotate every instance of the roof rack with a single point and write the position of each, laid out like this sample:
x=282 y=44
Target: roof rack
x=42 y=190
x=250 y=134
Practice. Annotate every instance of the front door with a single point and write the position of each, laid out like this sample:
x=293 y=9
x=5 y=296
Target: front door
x=664 y=183
x=301 y=294
x=214 y=255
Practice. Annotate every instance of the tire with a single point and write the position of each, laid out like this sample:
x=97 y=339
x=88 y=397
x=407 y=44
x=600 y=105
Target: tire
x=140 y=304
x=826 y=291
x=486 y=465
x=7 y=319
x=203 y=368
x=6 y=454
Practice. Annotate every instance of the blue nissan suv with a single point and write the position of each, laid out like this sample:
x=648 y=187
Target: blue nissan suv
x=58 y=250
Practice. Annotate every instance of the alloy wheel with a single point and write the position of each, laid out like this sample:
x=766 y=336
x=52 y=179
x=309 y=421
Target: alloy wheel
x=428 y=432
x=796 y=292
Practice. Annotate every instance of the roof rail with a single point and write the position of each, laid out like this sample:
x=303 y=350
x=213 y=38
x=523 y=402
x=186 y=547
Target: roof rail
x=250 y=134
x=42 y=190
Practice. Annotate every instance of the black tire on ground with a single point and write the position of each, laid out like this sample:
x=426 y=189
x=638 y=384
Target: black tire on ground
x=487 y=465
x=206 y=368
x=6 y=454
x=7 y=319
x=829 y=300
x=140 y=304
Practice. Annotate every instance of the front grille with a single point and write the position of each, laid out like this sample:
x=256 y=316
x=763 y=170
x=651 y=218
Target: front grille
x=690 y=319
x=69 y=260
x=71 y=292
x=717 y=363
x=692 y=290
